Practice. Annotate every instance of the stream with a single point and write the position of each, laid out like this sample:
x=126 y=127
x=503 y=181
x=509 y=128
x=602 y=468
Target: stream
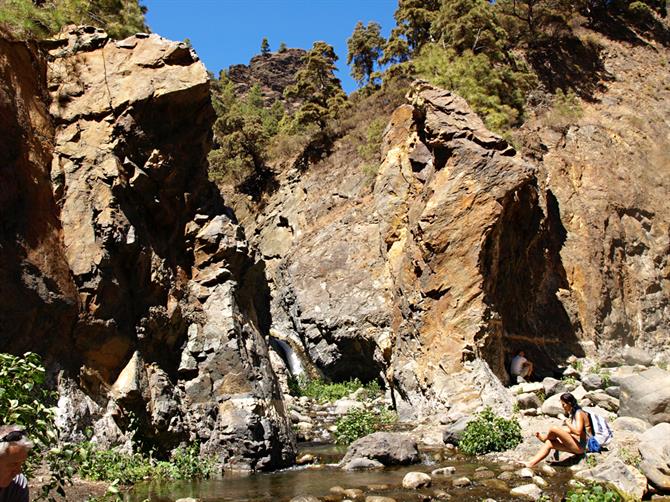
x=317 y=481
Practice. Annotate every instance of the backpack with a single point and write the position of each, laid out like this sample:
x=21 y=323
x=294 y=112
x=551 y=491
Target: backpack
x=602 y=433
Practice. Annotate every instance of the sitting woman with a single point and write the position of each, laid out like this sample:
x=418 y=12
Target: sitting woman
x=571 y=438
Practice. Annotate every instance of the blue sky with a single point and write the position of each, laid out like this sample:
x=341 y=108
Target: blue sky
x=227 y=32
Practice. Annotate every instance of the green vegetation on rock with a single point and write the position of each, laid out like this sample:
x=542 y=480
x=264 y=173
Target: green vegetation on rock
x=489 y=432
x=592 y=493
x=324 y=392
x=28 y=19
x=358 y=423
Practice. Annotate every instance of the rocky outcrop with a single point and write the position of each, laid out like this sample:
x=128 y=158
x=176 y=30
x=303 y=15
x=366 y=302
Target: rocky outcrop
x=272 y=73
x=609 y=175
x=40 y=300
x=170 y=309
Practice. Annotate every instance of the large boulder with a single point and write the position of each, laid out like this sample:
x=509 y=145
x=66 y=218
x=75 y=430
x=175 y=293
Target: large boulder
x=627 y=480
x=654 y=449
x=389 y=448
x=646 y=395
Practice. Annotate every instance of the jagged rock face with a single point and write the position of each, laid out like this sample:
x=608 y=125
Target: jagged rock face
x=272 y=72
x=463 y=252
x=610 y=174
x=172 y=305
x=39 y=296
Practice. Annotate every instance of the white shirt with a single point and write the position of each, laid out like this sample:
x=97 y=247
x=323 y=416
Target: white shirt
x=517 y=364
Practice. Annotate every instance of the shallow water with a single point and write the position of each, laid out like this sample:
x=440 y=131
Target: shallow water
x=283 y=485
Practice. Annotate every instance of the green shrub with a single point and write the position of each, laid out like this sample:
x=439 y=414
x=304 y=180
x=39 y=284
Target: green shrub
x=592 y=493
x=359 y=423
x=495 y=91
x=25 y=401
x=325 y=392
x=125 y=468
x=489 y=432
x=630 y=457
x=565 y=111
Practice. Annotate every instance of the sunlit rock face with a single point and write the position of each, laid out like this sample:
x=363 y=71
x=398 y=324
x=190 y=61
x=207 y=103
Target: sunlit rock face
x=167 y=306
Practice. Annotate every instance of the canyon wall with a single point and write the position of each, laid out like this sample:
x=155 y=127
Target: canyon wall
x=133 y=275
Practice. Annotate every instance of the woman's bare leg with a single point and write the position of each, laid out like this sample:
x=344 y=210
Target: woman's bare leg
x=557 y=439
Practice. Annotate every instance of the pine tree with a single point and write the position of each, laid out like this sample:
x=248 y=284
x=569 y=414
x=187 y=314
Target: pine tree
x=265 y=46
x=317 y=86
x=414 y=19
x=282 y=47
x=470 y=25
x=363 y=51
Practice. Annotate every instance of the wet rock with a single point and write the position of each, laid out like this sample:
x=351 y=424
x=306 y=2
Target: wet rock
x=654 y=449
x=188 y=499
x=389 y=448
x=305 y=498
x=353 y=493
x=461 y=482
x=529 y=491
x=484 y=474
x=378 y=498
x=441 y=495
x=444 y=471
x=525 y=473
x=358 y=463
x=414 y=480
x=306 y=459
x=646 y=396
x=539 y=481
x=506 y=476
x=548 y=470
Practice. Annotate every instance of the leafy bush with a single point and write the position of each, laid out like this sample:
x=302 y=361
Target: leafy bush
x=328 y=392
x=108 y=465
x=489 y=432
x=359 y=423
x=565 y=111
x=592 y=493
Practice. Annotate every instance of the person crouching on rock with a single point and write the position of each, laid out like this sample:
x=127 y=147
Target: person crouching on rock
x=14 y=448
x=570 y=438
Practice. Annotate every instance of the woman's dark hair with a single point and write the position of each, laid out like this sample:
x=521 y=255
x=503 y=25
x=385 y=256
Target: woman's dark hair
x=570 y=399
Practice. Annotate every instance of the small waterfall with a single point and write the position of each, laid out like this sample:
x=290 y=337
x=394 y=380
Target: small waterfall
x=292 y=360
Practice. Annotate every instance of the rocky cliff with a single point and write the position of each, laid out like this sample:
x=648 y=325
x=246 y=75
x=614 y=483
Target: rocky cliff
x=131 y=272
x=463 y=250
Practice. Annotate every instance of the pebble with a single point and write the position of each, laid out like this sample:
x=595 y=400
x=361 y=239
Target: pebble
x=443 y=471
x=526 y=473
x=413 y=480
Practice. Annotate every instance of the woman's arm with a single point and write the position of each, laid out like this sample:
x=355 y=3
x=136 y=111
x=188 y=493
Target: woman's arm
x=579 y=423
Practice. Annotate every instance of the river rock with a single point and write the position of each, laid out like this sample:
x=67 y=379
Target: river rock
x=443 y=471
x=188 y=499
x=654 y=449
x=603 y=400
x=526 y=472
x=528 y=401
x=378 y=498
x=552 y=406
x=389 y=448
x=592 y=381
x=353 y=493
x=539 y=481
x=646 y=396
x=305 y=498
x=344 y=406
x=454 y=430
x=630 y=482
x=359 y=463
x=635 y=355
x=529 y=491
x=630 y=424
x=414 y=480
x=461 y=482
x=553 y=386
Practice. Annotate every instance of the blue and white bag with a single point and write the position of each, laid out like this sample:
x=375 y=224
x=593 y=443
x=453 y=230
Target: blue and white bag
x=601 y=433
